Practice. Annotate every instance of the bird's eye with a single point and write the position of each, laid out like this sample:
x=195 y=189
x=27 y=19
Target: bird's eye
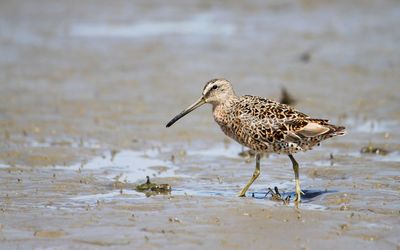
x=214 y=87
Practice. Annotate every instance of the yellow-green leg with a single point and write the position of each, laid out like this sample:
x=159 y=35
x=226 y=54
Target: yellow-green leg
x=253 y=178
x=296 y=176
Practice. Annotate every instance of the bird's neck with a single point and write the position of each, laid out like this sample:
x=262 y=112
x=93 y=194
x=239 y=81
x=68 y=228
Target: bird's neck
x=225 y=102
x=222 y=108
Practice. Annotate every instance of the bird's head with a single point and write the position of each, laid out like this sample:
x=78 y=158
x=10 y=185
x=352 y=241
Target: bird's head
x=215 y=92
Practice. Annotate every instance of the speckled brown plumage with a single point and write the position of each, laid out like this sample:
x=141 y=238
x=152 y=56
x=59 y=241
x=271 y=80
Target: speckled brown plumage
x=263 y=125
x=268 y=126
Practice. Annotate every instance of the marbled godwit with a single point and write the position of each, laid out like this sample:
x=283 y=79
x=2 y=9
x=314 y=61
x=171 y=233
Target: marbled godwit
x=263 y=125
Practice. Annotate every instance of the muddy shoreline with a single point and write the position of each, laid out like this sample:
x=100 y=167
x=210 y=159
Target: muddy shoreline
x=87 y=87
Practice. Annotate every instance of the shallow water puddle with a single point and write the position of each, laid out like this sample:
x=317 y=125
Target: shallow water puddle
x=4 y=166
x=133 y=166
x=219 y=171
x=113 y=195
x=128 y=166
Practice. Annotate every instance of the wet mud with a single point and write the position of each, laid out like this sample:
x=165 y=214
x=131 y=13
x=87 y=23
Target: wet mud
x=86 y=89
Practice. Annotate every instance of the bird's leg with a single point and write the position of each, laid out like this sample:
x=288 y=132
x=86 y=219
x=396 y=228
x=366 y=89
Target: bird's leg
x=296 y=176
x=253 y=178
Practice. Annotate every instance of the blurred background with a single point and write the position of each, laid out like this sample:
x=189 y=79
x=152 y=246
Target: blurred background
x=88 y=86
x=113 y=73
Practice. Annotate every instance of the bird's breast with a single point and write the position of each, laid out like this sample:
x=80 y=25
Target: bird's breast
x=221 y=115
x=228 y=121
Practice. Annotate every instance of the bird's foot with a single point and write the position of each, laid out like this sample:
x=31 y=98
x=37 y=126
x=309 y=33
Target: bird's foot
x=242 y=194
x=298 y=192
x=298 y=195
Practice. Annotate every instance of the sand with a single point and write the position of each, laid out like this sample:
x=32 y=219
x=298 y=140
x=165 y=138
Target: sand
x=87 y=87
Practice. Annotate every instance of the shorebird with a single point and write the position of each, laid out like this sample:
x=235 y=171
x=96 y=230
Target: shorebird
x=263 y=125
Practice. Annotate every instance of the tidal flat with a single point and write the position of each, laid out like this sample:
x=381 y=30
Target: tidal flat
x=86 y=89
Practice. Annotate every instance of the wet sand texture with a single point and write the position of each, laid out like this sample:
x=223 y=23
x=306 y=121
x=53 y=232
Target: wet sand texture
x=86 y=88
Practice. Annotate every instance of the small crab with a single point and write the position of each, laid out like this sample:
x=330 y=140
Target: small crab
x=276 y=196
x=153 y=188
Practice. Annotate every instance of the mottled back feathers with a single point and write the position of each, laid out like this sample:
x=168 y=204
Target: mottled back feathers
x=268 y=126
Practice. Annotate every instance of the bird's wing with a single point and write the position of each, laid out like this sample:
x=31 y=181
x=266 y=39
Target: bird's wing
x=263 y=120
x=305 y=128
x=310 y=127
x=269 y=121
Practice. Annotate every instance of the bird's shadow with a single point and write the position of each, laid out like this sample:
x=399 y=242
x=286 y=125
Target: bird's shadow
x=308 y=195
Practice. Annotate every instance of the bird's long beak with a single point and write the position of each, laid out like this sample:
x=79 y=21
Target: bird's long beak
x=192 y=107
